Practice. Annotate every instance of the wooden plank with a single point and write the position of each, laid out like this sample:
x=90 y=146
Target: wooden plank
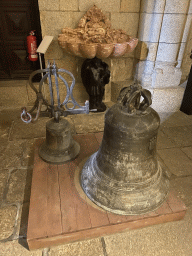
x=92 y=144
x=54 y=224
x=60 y=212
x=99 y=137
x=37 y=221
x=75 y=214
x=88 y=144
x=102 y=231
x=97 y=215
x=163 y=209
x=83 y=148
x=175 y=202
x=115 y=218
x=150 y=214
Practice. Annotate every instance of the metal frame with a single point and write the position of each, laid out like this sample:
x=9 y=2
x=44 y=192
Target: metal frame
x=55 y=111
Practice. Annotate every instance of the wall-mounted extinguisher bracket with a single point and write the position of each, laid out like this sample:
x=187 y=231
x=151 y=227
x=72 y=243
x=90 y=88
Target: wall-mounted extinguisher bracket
x=32 y=46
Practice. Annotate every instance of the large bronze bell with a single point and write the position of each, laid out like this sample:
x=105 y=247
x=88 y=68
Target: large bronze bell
x=124 y=176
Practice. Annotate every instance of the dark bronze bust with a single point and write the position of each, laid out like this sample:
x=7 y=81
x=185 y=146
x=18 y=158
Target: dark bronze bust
x=95 y=75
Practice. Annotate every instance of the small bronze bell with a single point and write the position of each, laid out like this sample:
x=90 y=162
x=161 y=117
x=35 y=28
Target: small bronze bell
x=124 y=176
x=59 y=145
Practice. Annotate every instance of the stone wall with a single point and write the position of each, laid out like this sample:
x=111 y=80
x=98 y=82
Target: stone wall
x=187 y=61
x=160 y=62
x=58 y=14
x=163 y=30
x=161 y=59
x=164 y=36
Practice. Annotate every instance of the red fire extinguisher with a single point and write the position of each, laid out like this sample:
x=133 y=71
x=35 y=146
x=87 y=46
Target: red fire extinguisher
x=32 y=46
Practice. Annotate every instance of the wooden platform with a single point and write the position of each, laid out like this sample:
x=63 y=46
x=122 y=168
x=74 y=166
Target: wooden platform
x=61 y=213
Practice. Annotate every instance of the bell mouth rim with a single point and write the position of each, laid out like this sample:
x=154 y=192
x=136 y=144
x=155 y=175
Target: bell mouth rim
x=107 y=180
x=77 y=183
x=131 y=213
x=133 y=202
x=95 y=204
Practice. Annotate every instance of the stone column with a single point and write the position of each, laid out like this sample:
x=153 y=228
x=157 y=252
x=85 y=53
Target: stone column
x=151 y=16
x=164 y=27
x=186 y=41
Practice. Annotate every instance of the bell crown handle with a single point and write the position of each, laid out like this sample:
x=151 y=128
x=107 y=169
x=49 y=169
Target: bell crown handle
x=130 y=99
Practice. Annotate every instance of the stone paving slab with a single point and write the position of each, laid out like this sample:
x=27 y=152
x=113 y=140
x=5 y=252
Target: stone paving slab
x=4 y=130
x=11 y=157
x=86 y=123
x=5 y=127
x=164 y=116
x=177 y=119
x=180 y=135
x=177 y=161
x=94 y=122
x=183 y=186
x=23 y=220
x=17 y=182
x=4 y=174
x=13 y=248
x=6 y=122
x=7 y=221
x=163 y=141
x=28 y=152
x=187 y=151
x=23 y=130
x=189 y=127
x=86 y=248
x=17 y=96
x=165 y=239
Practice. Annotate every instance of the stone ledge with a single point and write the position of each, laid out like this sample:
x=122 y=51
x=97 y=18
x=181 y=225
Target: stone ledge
x=7 y=216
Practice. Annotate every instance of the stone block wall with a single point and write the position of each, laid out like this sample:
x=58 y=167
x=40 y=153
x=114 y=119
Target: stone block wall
x=58 y=14
x=160 y=62
x=165 y=40
x=162 y=58
x=187 y=61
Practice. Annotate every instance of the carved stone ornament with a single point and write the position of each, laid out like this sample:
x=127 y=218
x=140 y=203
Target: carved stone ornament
x=94 y=37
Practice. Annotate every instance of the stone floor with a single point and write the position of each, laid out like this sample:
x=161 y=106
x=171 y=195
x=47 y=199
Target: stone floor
x=16 y=165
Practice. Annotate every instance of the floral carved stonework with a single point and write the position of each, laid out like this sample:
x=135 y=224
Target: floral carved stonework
x=94 y=37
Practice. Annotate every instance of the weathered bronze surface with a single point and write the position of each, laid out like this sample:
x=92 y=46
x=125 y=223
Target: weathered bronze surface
x=59 y=146
x=124 y=176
